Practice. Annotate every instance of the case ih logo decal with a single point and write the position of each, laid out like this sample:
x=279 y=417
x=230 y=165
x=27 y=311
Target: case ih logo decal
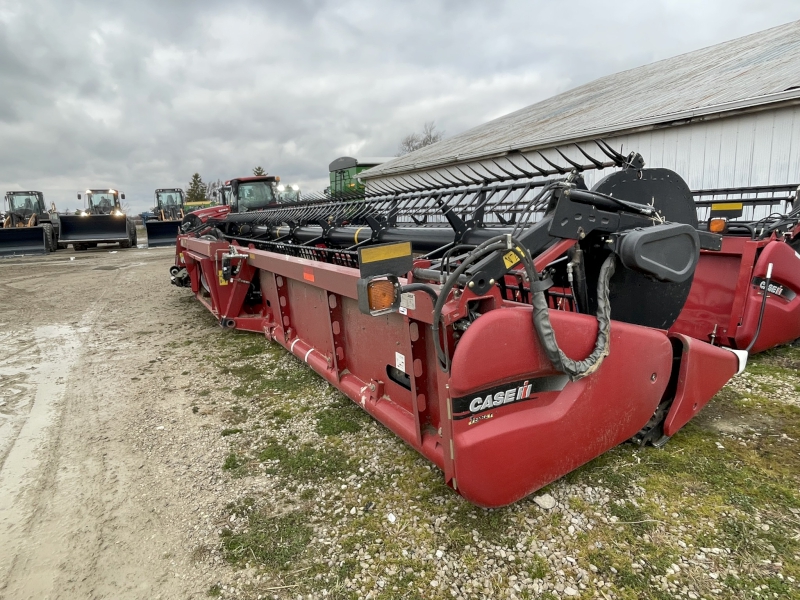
x=467 y=406
x=775 y=289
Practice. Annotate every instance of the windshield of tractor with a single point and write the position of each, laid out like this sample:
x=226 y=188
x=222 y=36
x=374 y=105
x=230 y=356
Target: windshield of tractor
x=102 y=202
x=288 y=193
x=169 y=198
x=24 y=204
x=255 y=195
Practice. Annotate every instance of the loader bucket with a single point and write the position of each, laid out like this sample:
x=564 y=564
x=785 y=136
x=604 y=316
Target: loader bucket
x=102 y=229
x=161 y=233
x=19 y=241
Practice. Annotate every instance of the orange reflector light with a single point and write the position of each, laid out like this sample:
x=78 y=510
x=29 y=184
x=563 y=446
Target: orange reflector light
x=381 y=294
x=716 y=225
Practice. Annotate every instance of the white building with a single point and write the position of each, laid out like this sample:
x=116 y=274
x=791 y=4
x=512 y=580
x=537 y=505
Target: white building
x=723 y=116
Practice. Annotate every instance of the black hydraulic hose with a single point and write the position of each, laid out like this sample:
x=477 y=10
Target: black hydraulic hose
x=541 y=321
x=487 y=247
x=540 y=313
x=763 y=306
x=421 y=287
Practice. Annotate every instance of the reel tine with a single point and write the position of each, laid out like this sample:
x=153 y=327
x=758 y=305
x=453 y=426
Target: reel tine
x=468 y=177
x=618 y=159
x=482 y=180
x=509 y=173
x=542 y=172
x=518 y=168
x=591 y=159
x=578 y=168
x=559 y=170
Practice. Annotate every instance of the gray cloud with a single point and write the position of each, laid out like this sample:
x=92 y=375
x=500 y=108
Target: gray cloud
x=143 y=94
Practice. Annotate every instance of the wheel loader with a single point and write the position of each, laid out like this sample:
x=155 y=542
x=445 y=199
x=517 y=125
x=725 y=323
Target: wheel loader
x=27 y=226
x=101 y=221
x=165 y=220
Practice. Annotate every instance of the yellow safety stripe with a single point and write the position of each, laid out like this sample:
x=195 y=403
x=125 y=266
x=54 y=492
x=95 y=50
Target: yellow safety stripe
x=387 y=252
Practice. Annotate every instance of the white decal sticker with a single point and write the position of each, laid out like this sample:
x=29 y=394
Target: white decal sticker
x=400 y=361
x=409 y=301
x=403 y=310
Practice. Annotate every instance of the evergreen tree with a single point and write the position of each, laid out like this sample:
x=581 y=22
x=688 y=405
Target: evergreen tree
x=197 y=189
x=259 y=171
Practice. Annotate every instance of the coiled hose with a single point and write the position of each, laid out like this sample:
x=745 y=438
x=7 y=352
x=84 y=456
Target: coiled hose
x=540 y=313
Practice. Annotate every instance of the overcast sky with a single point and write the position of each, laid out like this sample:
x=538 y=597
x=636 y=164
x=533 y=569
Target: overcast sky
x=140 y=95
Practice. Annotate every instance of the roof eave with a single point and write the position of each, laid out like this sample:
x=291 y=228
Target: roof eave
x=787 y=97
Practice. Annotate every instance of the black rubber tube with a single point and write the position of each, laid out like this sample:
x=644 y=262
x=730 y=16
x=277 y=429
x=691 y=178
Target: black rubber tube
x=541 y=312
x=767 y=281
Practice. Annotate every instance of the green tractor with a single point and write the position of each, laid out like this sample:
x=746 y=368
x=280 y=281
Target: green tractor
x=344 y=174
x=27 y=226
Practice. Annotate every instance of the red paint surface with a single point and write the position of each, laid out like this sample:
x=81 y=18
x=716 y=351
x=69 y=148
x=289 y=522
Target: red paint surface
x=495 y=461
x=703 y=371
x=724 y=297
x=529 y=444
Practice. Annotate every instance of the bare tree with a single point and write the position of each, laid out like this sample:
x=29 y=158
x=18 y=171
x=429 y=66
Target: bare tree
x=415 y=141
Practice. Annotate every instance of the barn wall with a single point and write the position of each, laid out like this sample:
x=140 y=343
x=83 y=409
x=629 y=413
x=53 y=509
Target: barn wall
x=760 y=148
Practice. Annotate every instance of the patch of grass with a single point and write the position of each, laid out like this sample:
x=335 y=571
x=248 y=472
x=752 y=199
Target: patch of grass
x=215 y=591
x=490 y=525
x=538 y=568
x=633 y=516
x=288 y=380
x=339 y=420
x=253 y=349
x=204 y=393
x=307 y=463
x=276 y=541
x=232 y=461
x=281 y=416
x=227 y=432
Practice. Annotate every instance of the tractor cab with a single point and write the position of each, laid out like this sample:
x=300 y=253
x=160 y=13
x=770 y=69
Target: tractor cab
x=169 y=204
x=24 y=209
x=248 y=194
x=102 y=202
x=240 y=195
x=288 y=193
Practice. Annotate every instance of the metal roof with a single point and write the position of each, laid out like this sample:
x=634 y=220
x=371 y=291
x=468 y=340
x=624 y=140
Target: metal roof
x=755 y=70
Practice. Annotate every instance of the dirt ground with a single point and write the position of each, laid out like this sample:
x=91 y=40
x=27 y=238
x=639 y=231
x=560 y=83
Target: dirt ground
x=147 y=453
x=84 y=512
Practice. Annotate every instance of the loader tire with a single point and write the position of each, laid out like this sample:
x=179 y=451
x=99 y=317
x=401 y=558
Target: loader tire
x=78 y=247
x=49 y=237
x=125 y=244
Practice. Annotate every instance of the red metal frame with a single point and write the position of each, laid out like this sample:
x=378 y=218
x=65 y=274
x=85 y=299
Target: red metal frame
x=502 y=422
x=724 y=304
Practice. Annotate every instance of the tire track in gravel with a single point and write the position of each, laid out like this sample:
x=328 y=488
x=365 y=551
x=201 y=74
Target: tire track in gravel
x=69 y=524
